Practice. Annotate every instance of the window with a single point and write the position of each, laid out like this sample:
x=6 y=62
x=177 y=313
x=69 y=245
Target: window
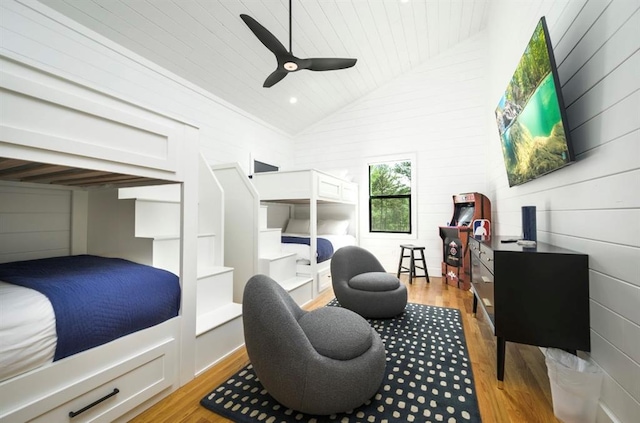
x=390 y=197
x=259 y=166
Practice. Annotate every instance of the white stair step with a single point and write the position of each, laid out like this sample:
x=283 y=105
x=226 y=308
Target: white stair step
x=218 y=335
x=279 y=255
x=214 y=290
x=279 y=267
x=300 y=288
x=217 y=317
x=263 y=217
x=303 y=269
x=169 y=193
x=156 y=218
x=204 y=272
x=270 y=241
x=206 y=252
x=166 y=253
x=295 y=282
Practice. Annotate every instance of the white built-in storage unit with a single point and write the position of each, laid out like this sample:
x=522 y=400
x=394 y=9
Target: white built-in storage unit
x=73 y=160
x=157 y=217
x=254 y=247
x=308 y=194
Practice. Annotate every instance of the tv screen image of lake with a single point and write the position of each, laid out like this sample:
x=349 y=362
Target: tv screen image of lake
x=534 y=143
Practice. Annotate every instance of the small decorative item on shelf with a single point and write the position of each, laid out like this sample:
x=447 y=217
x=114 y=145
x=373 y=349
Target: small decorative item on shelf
x=481 y=229
x=529 y=229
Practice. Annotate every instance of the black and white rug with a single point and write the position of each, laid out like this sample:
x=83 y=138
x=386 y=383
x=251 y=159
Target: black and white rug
x=428 y=378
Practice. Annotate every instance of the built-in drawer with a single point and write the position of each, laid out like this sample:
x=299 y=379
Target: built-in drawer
x=482 y=278
x=486 y=256
x=109 y=392
x=482 y=253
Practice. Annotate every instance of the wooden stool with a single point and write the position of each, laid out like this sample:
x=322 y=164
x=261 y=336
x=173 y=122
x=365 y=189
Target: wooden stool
x=411 y=270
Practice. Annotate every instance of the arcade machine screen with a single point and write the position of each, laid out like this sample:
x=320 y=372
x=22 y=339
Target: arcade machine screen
x=463 y=215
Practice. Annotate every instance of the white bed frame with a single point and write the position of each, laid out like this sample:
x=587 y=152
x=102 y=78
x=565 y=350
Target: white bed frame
x=50 y=120
x=314 y=195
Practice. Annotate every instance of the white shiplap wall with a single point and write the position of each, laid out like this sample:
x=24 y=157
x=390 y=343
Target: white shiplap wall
x=35 y=34
x=34 y=222
x=434 y=113
x=592 y=206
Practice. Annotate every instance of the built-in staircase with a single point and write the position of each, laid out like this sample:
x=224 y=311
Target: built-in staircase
x=281 y=266
x=234 y=243
x=157 y=217
x=250 y=246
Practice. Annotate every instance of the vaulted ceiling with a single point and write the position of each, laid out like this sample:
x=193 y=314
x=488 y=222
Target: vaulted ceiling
x=206 y=43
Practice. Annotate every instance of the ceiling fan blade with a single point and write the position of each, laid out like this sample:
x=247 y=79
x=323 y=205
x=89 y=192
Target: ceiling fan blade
x=275 y=77
x=322 y=64
x=267 y=38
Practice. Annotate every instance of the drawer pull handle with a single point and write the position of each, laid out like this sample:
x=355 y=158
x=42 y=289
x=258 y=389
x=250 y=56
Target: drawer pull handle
x=73 y=414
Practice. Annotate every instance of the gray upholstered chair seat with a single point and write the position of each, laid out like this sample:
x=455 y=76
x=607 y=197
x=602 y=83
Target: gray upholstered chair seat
x=361 y=284
x=374 y=281
x=325 y=361
x=337 y=333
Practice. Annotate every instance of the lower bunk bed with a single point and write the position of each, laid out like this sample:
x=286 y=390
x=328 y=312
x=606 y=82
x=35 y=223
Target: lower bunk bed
x=332 y=235
x=85 y=338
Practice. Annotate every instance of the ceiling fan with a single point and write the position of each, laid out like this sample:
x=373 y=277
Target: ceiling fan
x=287 y=62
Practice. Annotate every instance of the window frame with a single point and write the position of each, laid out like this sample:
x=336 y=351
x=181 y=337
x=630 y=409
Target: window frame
x=411 y=158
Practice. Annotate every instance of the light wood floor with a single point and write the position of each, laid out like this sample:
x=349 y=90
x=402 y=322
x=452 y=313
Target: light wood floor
x=525 y=395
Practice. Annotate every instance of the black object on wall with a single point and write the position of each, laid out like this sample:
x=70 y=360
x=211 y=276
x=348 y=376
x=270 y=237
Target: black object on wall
x=529 y=226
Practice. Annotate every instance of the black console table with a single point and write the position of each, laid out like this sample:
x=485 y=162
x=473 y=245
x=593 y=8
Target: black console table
x=531 y=295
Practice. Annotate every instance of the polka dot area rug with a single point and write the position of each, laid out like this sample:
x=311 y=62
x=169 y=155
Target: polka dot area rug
x=428 y=378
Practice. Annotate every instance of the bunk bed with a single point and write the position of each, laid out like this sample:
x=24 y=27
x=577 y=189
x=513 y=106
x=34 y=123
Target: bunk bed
x=332 y=234
x=317 y=213
x=60 y=136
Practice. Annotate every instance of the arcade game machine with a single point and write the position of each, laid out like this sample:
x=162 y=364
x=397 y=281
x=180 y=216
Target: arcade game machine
x=467 y=208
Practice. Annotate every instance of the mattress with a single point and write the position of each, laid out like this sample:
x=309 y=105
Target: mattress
x=27 y=330
x=303 y=253
x=71 y=304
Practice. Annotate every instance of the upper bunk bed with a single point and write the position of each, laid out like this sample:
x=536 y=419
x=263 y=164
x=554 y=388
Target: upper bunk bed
x=59 y=136
x=303 y=186
x=312 y=208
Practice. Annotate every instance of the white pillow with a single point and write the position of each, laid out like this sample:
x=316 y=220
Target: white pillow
x=333 y=227
x=297 y=226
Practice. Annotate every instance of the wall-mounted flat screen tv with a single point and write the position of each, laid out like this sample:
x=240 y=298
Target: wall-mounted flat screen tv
x=531 y=117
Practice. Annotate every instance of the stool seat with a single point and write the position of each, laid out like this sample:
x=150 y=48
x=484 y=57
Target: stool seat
x=409 y=251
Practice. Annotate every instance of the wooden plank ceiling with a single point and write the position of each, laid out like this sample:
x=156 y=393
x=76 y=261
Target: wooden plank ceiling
x=206 y=43
x=26 y=171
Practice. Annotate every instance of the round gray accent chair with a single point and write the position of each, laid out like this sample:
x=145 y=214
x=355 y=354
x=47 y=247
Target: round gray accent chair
x=361 y=284
x=325 y=361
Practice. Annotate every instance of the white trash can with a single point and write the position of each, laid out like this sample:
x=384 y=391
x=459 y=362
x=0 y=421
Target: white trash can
x=575 y=386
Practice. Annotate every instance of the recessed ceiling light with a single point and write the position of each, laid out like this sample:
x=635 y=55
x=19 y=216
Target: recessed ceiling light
x=293 y=100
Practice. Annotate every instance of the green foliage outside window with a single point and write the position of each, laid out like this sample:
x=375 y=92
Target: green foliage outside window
x=390 y=197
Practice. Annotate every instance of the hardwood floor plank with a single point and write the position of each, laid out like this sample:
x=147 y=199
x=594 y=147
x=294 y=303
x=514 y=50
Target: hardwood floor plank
x=525 y=395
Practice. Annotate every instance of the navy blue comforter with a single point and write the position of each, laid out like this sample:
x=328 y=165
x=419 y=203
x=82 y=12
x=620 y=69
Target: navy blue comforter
x=97 y=299
x=325 y=248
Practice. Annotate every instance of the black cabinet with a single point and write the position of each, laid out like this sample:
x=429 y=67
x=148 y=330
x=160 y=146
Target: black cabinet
x=537 y=296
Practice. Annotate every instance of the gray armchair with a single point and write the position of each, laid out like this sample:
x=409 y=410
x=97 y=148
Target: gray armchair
x=361 y=284
x=324 y=361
